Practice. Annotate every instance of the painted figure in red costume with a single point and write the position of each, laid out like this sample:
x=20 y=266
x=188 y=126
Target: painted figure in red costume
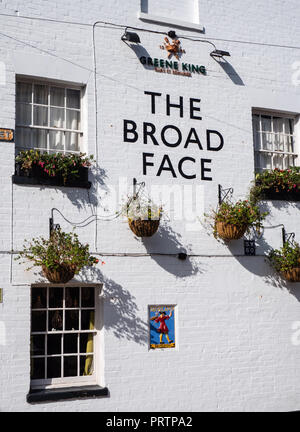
x=161 y=318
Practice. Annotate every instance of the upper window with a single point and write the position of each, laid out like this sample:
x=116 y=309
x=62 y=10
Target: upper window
x=274 y=141
x=63 y=335
x=48 y=117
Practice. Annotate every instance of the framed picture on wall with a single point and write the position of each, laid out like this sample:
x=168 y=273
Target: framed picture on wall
x=162 y=326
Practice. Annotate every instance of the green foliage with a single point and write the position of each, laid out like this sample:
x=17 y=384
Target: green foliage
x=277 y=180
x=56 y=164
x=141 y=208
x=285 y=258
x=60 y=248
x=242 y=213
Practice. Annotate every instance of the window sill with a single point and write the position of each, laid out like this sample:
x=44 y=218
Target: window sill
x=54 y=395
x=170 y=21
x=36 y=181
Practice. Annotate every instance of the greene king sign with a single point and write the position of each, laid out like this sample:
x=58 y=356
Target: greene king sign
x=172 y=67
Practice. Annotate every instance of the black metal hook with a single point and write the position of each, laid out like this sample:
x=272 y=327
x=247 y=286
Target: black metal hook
x=288 y=237
x=224 y=193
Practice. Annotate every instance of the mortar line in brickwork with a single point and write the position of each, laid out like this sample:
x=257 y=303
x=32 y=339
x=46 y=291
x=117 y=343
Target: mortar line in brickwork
x=148 y=30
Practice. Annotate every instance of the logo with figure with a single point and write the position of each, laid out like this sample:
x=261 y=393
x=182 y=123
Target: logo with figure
x=173 y=48
x=162 y=327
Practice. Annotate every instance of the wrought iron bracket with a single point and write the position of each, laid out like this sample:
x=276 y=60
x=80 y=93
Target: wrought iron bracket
x=52 y=226
x=223 y=194
x=288 y=237
x=135 y=184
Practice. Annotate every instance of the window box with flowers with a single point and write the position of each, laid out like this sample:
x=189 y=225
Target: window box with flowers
x=56 y=169
x=277 y=184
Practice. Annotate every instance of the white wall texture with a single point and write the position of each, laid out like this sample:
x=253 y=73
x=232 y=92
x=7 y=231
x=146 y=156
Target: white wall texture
x=235 y=319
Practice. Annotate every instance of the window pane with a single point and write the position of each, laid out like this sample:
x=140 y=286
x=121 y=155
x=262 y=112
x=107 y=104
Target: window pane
x=86 y=343
x=279 y=142
x=55 y=297
x=87 y=320
x=57 y=117
x=53 y=367
x=56 y=140
x=39 y=138
x=289 y=128
x=72 y=141
x=40 y=116
x=87 y=297
x=38 y=321
x=23 y=138
x=267 y=141
x=23 y=114
x=70 y=343
x=37 y=368
x=70 y=366
x=86 y=365
x=266 y=160
x=73 y=120
x=72 y=320
x=38 y=298
x=278 y=161
x=41 y=94
x=37 y=345
x=54 y=344
x=73 y=98
x=24 y=92
x=55 y=320
x=266 y=123
x=72 y=297
x=57 y=96
x=278 y=124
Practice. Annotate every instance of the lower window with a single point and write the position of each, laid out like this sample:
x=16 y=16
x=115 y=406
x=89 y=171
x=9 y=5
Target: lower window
x=63 y=335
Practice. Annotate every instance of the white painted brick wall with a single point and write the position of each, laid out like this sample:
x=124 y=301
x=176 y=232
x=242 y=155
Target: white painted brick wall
x=234 y=325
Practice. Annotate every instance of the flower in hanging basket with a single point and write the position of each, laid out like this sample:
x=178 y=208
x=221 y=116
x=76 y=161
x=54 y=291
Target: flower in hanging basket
x=231 y=221
x=286 y=261
x=143 y=215
x=61 y=256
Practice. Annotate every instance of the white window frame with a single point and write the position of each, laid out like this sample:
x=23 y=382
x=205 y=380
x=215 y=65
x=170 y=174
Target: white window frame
x=273 y=152
x=50 y=84
x=76 y=380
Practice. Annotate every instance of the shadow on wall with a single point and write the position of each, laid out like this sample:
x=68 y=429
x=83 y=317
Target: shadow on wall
x=84 y=198
x=121 y=311
x=231 y=72
x=261 y=267
x=168 y=241
x=140 y=51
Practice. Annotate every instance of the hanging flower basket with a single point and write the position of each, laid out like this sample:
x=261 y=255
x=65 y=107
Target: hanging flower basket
x=227 y=231
x=230 y=221
x=143 y=228
x=61 y=256
x=61 y=274
x=286 y=261
x=143 y=215
x=292 y=275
